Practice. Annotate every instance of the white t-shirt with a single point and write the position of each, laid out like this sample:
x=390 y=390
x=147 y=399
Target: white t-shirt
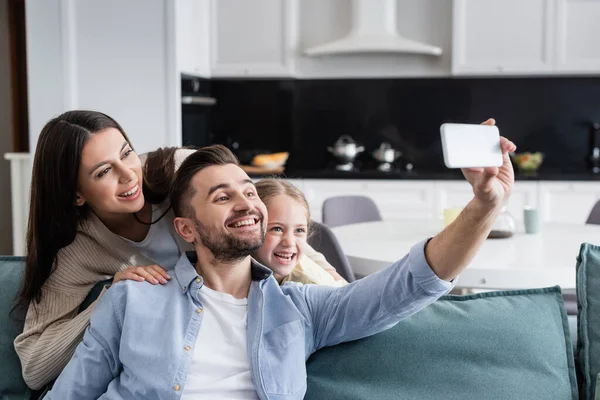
x=220 y=368
x=159 y=245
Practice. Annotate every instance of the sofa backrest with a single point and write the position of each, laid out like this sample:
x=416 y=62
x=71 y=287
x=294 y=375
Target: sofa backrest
x=493 y=345
x=12 y=385
x=588 y=304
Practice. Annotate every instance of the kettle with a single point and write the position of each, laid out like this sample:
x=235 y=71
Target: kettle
x=345 y=149
x=386 y=153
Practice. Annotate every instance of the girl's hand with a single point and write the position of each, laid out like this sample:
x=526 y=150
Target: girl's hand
x=151 y=273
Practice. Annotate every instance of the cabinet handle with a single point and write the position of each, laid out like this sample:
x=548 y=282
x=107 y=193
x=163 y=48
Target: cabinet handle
x=199 y=100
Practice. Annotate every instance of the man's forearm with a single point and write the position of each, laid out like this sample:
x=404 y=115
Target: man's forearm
x=453 y=249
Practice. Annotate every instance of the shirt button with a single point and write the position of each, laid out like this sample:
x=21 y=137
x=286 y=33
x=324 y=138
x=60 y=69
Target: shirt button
x=198 y=280
x=187 y=348
x=199 y=310
x=177 y=388
x=184 y=288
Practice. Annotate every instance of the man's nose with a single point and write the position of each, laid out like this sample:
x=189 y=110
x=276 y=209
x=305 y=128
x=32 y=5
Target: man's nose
x=243 y=203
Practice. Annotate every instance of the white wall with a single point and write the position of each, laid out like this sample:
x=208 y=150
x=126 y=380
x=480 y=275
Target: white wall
x=5 y=132
x=45 y=70
x=321 y=21
x=112 y=56
x=107 y=33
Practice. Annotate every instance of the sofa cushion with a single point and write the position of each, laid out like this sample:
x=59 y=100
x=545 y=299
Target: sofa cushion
x=12 y=386
x=94 y=293
x=493 y=345
x=588 y=297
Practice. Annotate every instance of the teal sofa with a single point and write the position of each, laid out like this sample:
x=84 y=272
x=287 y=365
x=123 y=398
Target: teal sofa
x=510 y=344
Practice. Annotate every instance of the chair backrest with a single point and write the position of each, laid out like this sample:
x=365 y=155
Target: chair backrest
x=324 y=241
x=594 y=217
x=344 y=210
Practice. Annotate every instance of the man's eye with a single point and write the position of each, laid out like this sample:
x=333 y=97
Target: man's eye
x=222 y=198
x=250 y=194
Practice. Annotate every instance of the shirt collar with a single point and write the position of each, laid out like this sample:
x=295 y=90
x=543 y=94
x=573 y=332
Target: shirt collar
x=185 y=272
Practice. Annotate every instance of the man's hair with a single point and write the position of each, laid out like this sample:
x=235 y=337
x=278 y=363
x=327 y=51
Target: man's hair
x=182 y=190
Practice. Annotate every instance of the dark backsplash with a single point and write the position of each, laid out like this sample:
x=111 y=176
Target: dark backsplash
x=551 y=115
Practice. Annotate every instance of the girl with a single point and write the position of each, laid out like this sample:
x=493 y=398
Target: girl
x=285 y=250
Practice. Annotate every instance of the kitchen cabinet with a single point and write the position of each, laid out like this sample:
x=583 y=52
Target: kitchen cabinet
x=459 y=193
x=192 y=30
x=567 y=201
x=577 y=33
x=396 y=200
x=423 y=200
x=536 y=37
x=493 y=37
x=253 y=38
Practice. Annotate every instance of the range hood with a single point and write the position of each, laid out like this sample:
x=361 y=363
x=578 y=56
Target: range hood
x=373 y=31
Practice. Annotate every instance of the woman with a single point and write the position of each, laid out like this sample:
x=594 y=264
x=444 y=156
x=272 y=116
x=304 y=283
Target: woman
x=95 y=213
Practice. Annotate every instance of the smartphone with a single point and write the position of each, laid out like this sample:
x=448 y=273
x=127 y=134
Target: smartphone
x=471 y=145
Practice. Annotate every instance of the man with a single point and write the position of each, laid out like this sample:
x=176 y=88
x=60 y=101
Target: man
x=223 y=328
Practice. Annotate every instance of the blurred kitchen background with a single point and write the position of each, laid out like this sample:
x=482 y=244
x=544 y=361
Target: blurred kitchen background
x=299 y=76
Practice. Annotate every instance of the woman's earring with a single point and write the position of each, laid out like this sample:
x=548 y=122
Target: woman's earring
x=79 y=201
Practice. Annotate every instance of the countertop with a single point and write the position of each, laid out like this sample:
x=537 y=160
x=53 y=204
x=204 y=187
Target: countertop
x=426 y=175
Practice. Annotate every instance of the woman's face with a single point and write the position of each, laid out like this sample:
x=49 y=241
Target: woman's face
x=285 y=237
x=110 y=176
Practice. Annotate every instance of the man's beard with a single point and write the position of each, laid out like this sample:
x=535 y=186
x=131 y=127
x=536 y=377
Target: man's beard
x=226 y=247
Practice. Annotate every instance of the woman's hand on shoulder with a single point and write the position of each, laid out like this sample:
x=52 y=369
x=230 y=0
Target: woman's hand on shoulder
x=150 y=273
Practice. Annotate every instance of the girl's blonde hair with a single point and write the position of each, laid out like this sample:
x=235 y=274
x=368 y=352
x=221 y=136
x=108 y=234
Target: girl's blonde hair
x=270 y=187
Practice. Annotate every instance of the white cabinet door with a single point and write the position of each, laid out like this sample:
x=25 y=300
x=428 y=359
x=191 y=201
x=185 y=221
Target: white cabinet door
x=403 y=200
x=253 y=38
x=458 y=194
x=451 y=194
x=396 y=200
x=578 y=36
x=568 y=202
x=192 y=37
x=525 y=194
x=502 y=37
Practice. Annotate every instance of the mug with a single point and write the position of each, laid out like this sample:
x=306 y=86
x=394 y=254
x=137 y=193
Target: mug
x=450 y=214
x=532 y=220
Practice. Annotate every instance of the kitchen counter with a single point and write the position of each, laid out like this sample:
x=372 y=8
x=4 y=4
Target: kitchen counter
x=425 y=175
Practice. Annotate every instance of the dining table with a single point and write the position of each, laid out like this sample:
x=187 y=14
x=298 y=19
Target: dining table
x=522 y=261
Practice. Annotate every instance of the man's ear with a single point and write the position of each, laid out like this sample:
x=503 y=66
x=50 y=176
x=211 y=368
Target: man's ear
x=185 y=229
x=79 y=201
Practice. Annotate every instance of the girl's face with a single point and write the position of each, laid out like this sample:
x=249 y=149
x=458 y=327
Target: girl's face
x=286 y=235
x=110 y=176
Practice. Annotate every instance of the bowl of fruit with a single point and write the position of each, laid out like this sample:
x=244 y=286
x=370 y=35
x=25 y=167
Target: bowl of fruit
x=528 y=163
